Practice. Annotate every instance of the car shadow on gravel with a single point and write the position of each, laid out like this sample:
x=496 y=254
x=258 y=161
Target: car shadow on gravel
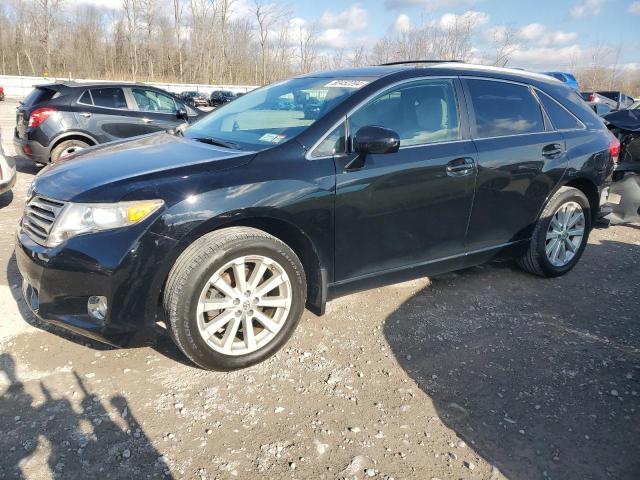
x=24 y=165
x=6 y=198
x=83 y=437
x=163 y=344
x=539 y=376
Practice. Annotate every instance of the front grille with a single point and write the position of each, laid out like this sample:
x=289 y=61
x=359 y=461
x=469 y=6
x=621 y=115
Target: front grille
x=38 y=218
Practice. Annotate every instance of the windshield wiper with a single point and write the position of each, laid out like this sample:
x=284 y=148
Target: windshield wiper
x=216 y=142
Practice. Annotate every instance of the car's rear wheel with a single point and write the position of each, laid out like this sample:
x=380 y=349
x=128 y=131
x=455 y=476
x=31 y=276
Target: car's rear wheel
x=234 y=297
x=560 y=235
x=67 y=147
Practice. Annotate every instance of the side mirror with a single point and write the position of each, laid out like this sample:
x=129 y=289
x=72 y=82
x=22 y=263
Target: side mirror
x=182 y=113
x=376 y=139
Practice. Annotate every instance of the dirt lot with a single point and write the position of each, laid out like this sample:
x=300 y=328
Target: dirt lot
x=482 y=374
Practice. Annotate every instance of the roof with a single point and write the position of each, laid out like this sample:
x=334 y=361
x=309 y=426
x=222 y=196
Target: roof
x=436 y=68
x=74 y=84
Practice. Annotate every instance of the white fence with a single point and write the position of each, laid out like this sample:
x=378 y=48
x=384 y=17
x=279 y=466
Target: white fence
x=15 y=86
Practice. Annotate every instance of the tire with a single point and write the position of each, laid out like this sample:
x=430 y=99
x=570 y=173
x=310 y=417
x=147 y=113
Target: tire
x=189 y=284
x=536 y=260
x=66 y=148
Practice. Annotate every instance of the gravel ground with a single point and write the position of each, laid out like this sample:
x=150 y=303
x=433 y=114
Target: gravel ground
x=487 y=373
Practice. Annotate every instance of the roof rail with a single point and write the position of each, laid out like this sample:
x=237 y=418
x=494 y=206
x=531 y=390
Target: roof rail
x=408 y=62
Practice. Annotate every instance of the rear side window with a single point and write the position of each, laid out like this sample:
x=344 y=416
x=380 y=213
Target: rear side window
x=39 y=95
x=109 y=97
x=560 y=118
x=502 y=108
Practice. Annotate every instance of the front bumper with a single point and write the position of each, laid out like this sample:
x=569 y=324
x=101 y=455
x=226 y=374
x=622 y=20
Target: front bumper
x=32 y=150
x=120 y=265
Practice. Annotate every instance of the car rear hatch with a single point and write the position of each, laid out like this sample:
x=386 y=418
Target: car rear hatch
x=38 y=96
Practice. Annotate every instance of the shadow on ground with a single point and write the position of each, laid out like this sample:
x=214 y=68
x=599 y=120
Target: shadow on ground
x=73 y=436
x=540 y=376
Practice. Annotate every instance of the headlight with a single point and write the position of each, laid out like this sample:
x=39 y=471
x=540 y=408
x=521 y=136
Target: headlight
x=77 y=218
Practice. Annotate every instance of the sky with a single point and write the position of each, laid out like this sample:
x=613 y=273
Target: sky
x=549 y=34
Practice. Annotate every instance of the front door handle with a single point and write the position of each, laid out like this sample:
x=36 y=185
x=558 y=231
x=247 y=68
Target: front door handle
x=460 y=167
x=86 y=114
x=553 y=150
x=147 y=120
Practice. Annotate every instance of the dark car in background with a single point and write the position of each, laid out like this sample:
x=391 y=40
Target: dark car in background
x=195 y=99
x=62 y=118
x=221 y=97
x=615 y=100
x=226 y=230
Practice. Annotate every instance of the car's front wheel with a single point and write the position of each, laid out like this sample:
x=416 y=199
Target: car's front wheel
x=234 y=297
x=560 y=235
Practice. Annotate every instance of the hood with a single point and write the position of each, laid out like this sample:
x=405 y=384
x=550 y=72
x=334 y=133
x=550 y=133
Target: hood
x=109 y=172
x=625 y=119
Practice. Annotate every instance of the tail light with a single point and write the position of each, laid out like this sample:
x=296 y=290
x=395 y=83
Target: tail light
x=592 y=97
x=39 y=115
x=614 y=148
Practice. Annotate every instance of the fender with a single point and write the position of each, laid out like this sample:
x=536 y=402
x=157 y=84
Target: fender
x=71 y=133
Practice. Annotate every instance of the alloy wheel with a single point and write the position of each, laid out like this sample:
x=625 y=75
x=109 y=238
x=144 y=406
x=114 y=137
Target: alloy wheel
x=565 y=234
x=244 y=305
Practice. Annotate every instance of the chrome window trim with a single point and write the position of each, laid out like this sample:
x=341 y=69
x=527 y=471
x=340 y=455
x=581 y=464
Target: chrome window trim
x=371 y=97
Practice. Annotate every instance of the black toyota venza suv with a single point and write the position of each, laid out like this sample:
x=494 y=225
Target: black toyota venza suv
x=227 y=229
x=63 y=118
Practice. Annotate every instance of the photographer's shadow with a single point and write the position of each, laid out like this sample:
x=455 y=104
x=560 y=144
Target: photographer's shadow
x=81 y=445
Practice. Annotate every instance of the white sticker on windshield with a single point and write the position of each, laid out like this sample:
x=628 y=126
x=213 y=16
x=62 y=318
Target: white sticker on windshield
x=347 y=83
x=272 y=138
x=267 y=137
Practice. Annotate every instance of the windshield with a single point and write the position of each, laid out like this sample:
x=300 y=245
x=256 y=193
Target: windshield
x=274 y=114
x=635 y=105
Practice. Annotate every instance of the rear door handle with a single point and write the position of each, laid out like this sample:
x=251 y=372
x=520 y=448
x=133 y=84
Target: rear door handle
x=460 y=167
x=147 y=120
x=86 y=114
x=553 y=150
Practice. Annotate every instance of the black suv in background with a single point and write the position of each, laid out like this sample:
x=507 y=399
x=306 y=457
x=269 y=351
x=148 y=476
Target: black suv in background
x=62 y=118
x=220 y=97
x=227 y=229
x=196 y=99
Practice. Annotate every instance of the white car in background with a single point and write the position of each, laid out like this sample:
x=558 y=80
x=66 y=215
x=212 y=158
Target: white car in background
x=7 y=172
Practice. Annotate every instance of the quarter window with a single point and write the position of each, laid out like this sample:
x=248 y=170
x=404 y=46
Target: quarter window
x=420 y=112
x=561 y=118
x=86 y=98
x=152 y=101
x=502 y=108
x=109 y=97
x=333 y=144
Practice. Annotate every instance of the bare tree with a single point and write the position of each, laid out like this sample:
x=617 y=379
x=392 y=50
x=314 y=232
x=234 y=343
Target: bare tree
x=504 y=45
x=45 y=13
x=177 y=25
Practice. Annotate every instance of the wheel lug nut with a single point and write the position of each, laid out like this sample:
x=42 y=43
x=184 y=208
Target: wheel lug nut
x=247 y=293
x=238 y=313
x=236 y=301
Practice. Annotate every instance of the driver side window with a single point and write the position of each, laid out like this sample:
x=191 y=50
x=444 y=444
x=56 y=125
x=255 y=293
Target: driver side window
x=421 y=112
x=152 y=101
